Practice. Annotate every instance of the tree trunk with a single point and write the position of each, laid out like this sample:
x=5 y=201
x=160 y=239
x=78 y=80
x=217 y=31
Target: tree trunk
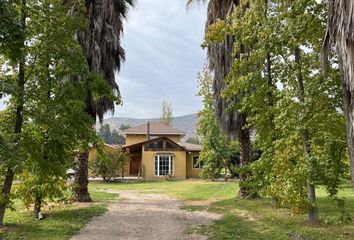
x=348 y=108
x=225 y=167
x=274 y=201
x=348 y=102
x=81 y=179
x=123 y=167
x=245 y=146
x=37 y=206
x=270 y=102
x=313 y=210
x=311 y=190
x=5 y=193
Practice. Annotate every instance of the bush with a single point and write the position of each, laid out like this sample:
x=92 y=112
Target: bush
x=109 y=165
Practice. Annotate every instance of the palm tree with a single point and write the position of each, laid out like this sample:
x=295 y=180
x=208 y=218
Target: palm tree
x=101 y=46
x=220 y=56
x=340 y=33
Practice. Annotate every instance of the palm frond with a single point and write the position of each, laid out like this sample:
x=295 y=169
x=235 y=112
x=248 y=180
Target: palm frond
x=122 y=6
x=101 y=43
x=220 y=56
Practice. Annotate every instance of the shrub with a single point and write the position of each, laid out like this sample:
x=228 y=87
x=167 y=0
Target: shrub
x=109 y=165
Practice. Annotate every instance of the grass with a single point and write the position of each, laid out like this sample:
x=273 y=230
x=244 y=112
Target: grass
x=183 y=190
x=62 y=222
x=242 y=219
x=249 y=219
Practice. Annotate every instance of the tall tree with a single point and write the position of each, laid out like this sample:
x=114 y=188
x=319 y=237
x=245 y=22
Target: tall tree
x=166 y=113
x=298 y=150
x=55 y=106
x=220 y=55
x=340 y=34
x=16 y=56
x=102 y=47
x=44 y=108
x=105 y=133
x=111 y=137
x=216 y=151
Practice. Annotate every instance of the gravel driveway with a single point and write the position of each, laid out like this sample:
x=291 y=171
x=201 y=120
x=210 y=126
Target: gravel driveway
x=146 y=216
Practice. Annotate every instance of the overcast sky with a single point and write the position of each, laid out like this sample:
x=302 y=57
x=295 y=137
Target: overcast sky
x=162 y=42
x=163 y=56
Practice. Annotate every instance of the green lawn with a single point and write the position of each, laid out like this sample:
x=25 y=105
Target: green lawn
x=242 y=219
x=248 y=219
x=184 y=190
x=62 y=222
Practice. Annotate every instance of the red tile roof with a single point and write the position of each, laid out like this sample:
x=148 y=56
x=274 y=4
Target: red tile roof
x=156 y=128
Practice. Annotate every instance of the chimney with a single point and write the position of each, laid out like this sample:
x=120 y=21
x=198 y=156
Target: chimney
x=148 y=131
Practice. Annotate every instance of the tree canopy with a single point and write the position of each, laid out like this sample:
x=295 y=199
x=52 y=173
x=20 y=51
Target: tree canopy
x=295 y=109
x=166 y=113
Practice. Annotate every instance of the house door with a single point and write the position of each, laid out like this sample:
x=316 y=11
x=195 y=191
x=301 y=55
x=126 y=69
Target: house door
x=135 y=165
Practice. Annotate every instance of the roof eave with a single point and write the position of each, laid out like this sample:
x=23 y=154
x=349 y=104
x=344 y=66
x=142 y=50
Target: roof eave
x=144 y=133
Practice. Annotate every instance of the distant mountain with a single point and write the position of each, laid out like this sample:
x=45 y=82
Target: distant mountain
x=185 y=123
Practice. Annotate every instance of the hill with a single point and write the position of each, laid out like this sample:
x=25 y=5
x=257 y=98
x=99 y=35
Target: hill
x=186 y=123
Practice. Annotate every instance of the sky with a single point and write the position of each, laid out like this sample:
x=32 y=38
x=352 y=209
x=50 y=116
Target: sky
x=162 y=41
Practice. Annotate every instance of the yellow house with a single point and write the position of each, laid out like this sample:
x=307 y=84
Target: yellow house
x=157 y=150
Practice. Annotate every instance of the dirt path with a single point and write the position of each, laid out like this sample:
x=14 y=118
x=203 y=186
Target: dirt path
x=146 y=216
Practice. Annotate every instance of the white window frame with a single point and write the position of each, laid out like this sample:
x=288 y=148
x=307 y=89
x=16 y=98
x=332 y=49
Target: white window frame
x=193 y=165
x=171 y=165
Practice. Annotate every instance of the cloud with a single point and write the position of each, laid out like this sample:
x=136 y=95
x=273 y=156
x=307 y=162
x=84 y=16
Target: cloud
x=162 y=42
x=163 y=56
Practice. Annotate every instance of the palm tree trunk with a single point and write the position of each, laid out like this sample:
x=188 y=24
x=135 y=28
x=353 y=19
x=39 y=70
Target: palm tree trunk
x=81 y=179
x=311 y=190
x=348 y=108
x=339 y=33
x=245 y=147
x=348 y=101
x=101 y=46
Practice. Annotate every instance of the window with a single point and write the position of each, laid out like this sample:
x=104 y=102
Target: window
x=195 y=163
x=170 y=146
x=156 y=145
x=163 y=165
x=161 y=144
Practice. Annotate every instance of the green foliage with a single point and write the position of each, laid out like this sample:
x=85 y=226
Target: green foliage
x=54 y=117
x=111 y=137
x=124 y=127
x=166 y=113
x=51 y=103
x=10 y=30
x=266 y=71
x=193 y=140
x=109 y=164
x=216 y=148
